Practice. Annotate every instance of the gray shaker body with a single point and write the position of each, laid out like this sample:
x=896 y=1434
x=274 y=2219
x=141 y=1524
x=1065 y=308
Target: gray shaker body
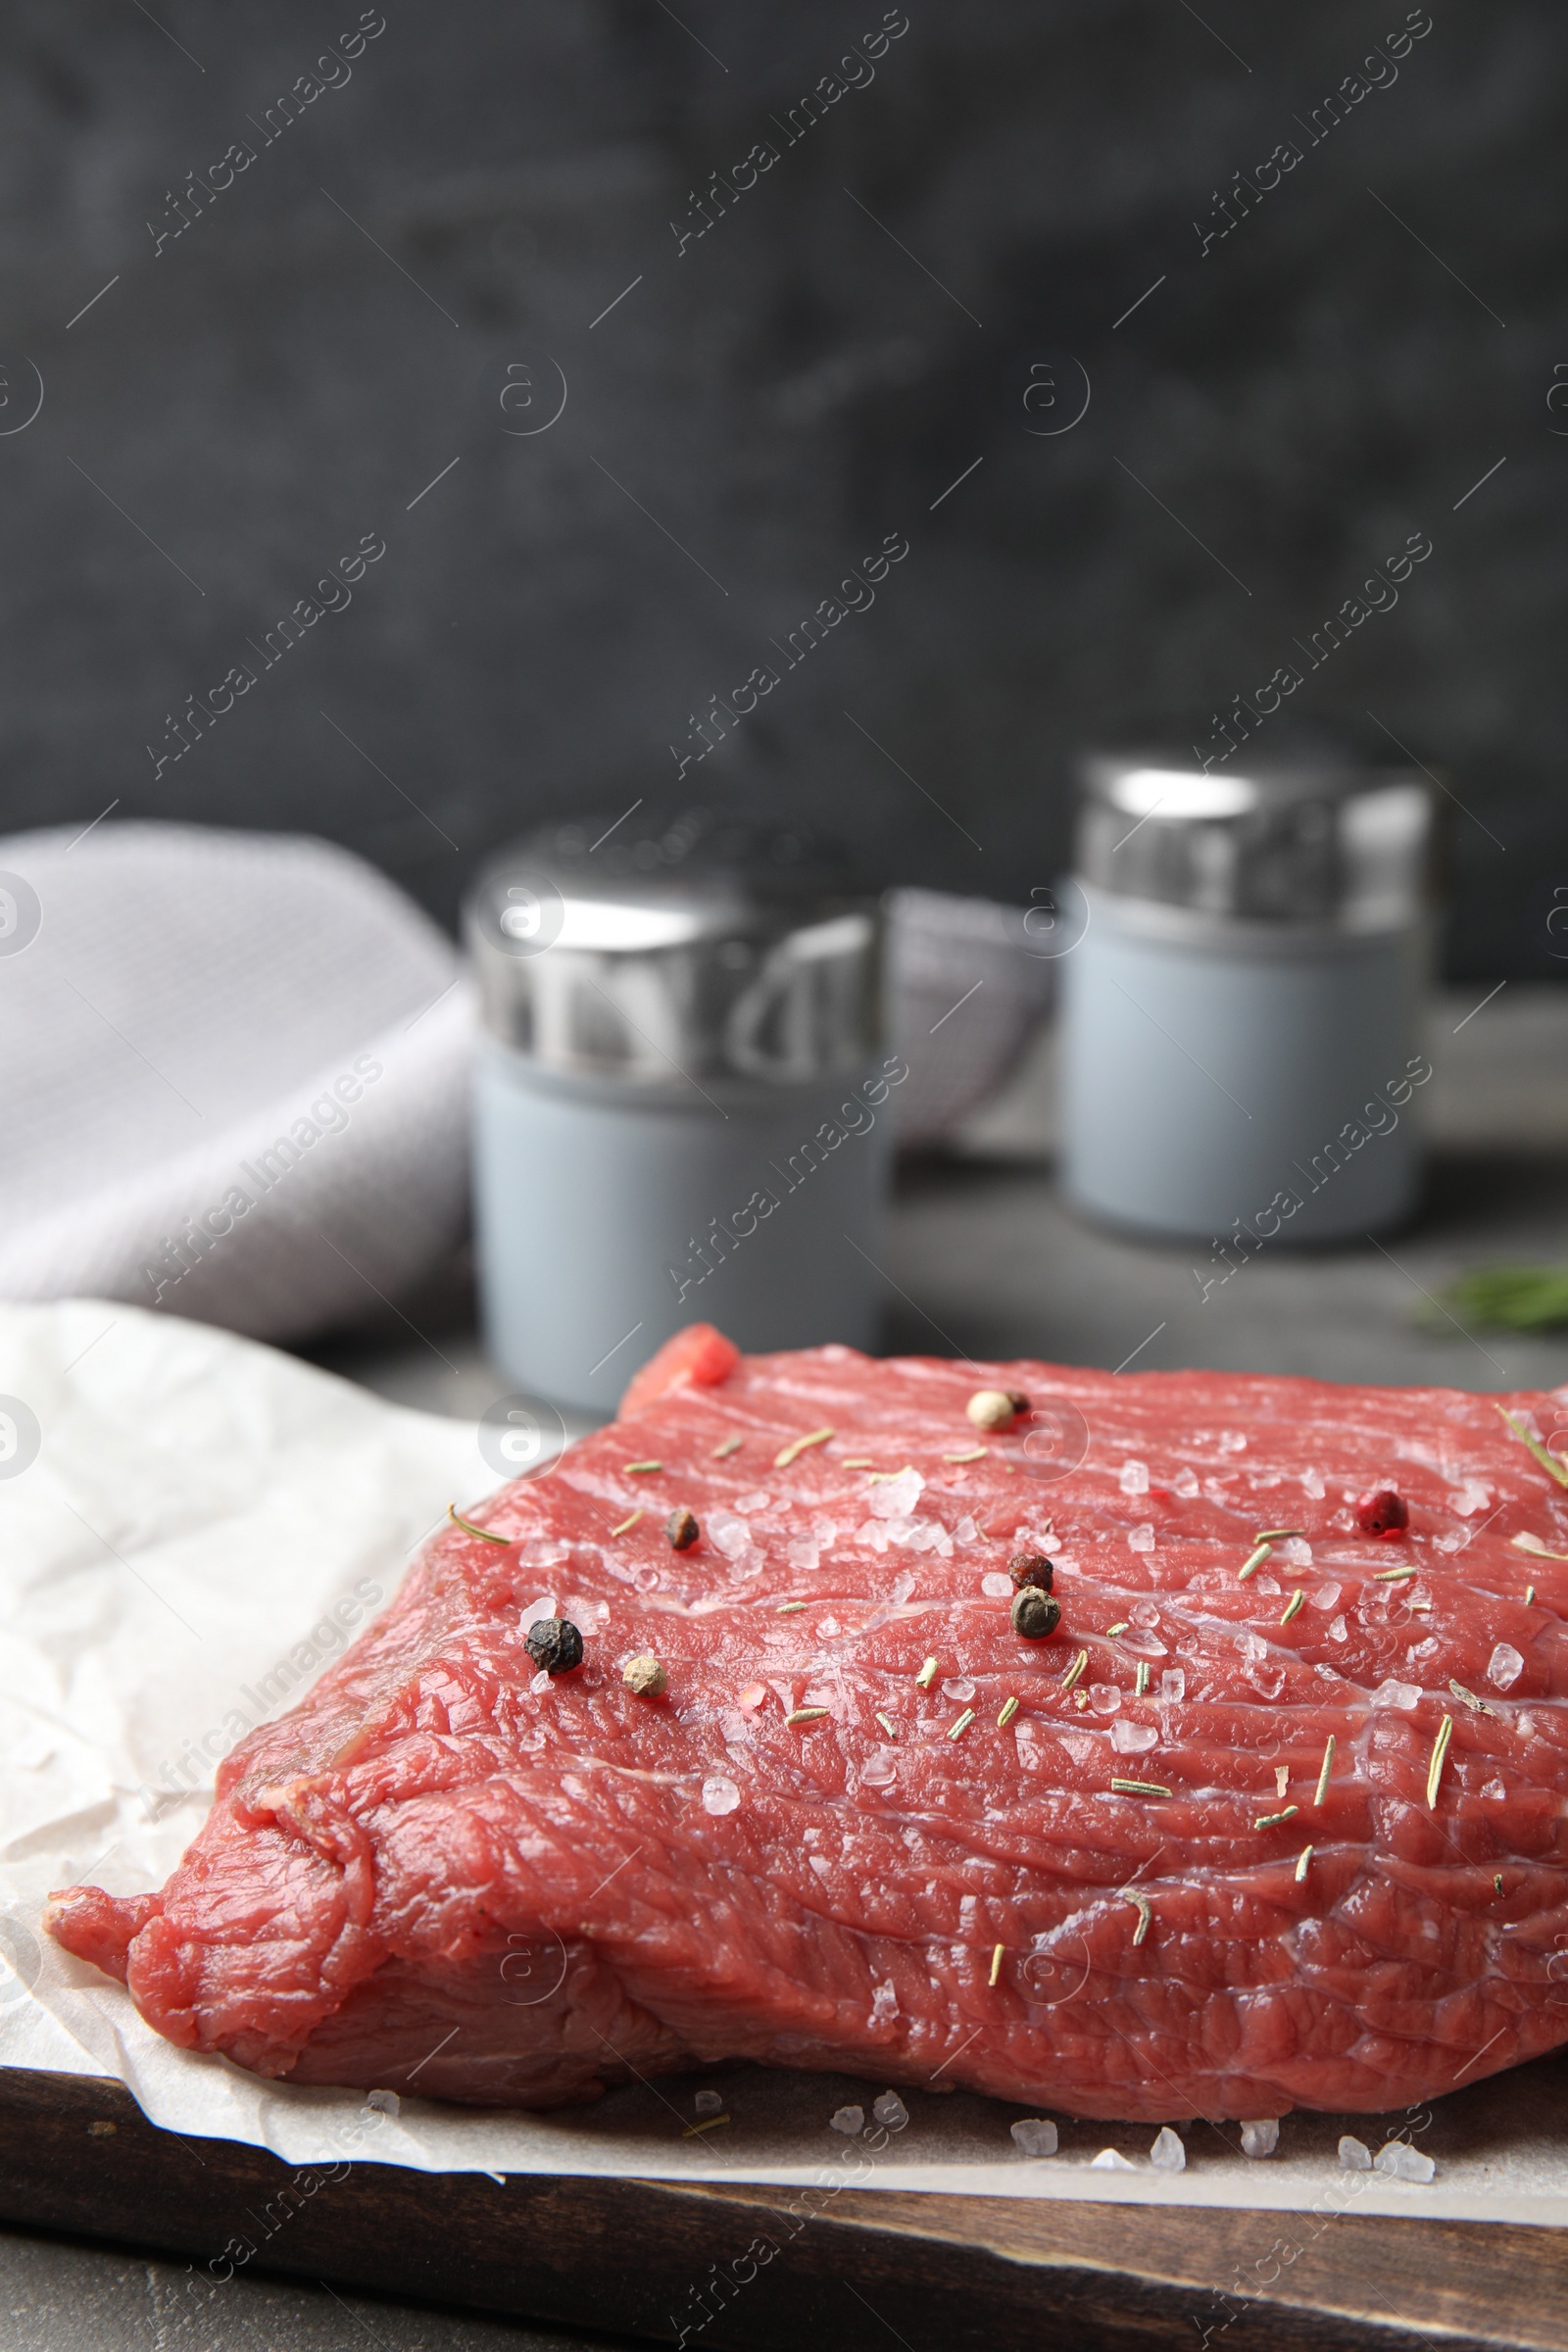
x=1240 y=1050
x=602 y=1230
x=681 y=1101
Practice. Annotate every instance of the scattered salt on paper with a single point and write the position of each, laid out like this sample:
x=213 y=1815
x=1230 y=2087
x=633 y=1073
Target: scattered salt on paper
x=1035 y=2137
x=385 y=2102
x=890 y=2111
x=1402 y=2162
x=707 y=2102
x=847 y=2120
x=1262 y=2137
x=1168 y=2155
x=1109 y=2160
x=1354 y=2154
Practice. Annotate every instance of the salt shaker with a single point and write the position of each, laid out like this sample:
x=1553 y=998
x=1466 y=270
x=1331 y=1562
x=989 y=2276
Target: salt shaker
x=682 y=1097
x=1241 y=1012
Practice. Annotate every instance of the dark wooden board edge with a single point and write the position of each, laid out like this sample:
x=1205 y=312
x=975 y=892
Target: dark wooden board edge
x=759 y=2270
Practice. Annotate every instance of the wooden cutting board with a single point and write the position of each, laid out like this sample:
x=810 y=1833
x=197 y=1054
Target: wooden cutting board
x=867 y=2270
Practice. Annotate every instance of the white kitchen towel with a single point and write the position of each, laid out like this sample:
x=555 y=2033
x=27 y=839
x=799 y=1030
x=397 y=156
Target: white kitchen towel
x=234 y=1069
x=968 y=983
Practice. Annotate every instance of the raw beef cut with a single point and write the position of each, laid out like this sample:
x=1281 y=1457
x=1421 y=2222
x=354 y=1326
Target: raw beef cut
x=1273 y=1817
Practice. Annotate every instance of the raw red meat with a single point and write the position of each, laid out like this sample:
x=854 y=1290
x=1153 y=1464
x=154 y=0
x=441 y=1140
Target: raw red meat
x=446 y=1875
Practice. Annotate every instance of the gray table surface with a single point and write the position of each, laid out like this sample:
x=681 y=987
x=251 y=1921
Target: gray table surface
x=984 y=1259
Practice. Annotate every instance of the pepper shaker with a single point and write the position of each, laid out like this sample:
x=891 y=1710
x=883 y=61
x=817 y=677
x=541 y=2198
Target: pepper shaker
x=1240 y=1014
x=682 y=1097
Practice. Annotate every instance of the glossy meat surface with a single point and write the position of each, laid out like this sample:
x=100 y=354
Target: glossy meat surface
x=445 y=1873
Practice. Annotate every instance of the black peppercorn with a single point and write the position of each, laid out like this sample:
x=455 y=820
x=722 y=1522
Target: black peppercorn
x=1017 y=1399
x=682 y=1529
x=1035 y=1615
x=555 y=1643
x=1032 y=1568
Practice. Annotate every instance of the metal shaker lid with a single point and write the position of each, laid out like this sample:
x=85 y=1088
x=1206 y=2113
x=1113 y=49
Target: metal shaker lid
x=1306 y=841
x=668 y=951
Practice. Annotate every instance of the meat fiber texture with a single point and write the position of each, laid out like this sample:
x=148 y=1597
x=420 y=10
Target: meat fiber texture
x=445 y=1872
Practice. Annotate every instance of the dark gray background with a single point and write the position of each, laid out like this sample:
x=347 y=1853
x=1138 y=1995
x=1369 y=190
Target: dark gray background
x=269 y=386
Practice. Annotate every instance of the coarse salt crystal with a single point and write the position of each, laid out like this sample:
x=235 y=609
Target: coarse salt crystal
x=1168 y=2155
x=719 y=1796
x=1354 y=2154
x=847 y=2120
x=967 y=1533
x=1135 y=1477
x=1324 y=1596
x=1173 y=1684
x=752 y=1697
x=732 y=1535
x=1253 y=1648
x=1404 y=2162
x=1262 y=2137
x=1144 y=1613
x=1105 y=1697
x=1141 y=1539
x=1035 y=2136
x=1185 y=1483
x=896 y=1496
x=1132 y=1739
x=880 y=1769
x=385 y=2102
x=1337 y=1629
x=1504 y=1667
x=1392 y=1692
x=1474 y=1496
x=1312 y=1484
x=1109 y=2160
x=1496 y=1790
x=707 y=2102
x=889 y=2109
x=757 y=1500
x=1297 y=1552
x=535 y=1612
x=997 y=1586
x=540 y=1683
x=802 y=1553
x=824 y=1532
x=959 y=1687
